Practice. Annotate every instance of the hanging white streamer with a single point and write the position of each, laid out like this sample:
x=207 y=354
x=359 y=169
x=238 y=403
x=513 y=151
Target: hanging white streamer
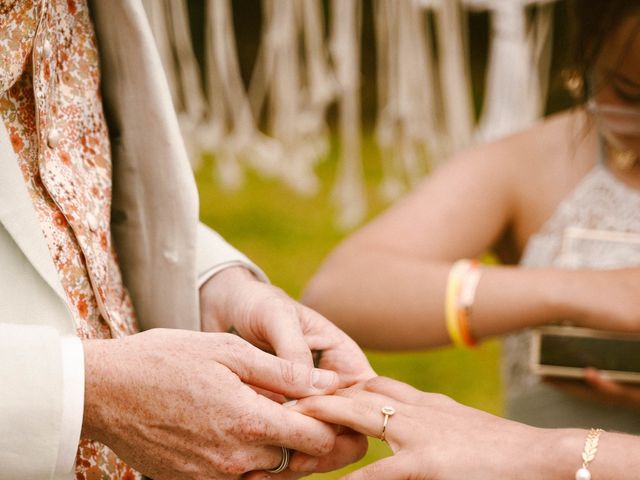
x=230 y=131
x=292 y=90
x=425 y=110
x=519 y=61
x=454 y=73
x=169 y=21
x=409 y=126
x=349 y=189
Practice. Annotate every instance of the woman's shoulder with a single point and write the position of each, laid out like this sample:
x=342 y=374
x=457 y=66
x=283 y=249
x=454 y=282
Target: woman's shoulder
x=535 y=168
x=548 y=140
x=558 y=148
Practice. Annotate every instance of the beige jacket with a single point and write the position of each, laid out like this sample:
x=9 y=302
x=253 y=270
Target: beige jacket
x=161 y=246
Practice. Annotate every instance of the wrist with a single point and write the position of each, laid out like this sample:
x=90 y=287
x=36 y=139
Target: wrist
x=560 y=294
x=566 y=295
x=97 y=389
x=529 y=297
x=215 y=294
x=515 y=450
x=561 y=453
x=535 y=453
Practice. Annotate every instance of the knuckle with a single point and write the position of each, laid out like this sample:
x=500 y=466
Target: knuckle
x=279 y=304
x=376 y=383
x=440 y=399
x=328 y=443
x=364 y=409
x=374 y=471
x=229 y=340
x=234 y=464
x=325 y=445
x=229 y=468
x=250 y=429
x=309 y=406
x=234 y=349
x=352 y=392
x=289 y=373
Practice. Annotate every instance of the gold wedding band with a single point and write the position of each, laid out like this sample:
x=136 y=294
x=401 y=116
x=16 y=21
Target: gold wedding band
x=284 y=463
x=387 y=411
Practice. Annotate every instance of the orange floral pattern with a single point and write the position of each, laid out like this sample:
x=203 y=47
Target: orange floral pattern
x=51 y=106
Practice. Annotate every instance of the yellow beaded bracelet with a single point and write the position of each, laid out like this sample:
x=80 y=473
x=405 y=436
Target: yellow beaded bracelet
x=451 y=313
x=461 y=284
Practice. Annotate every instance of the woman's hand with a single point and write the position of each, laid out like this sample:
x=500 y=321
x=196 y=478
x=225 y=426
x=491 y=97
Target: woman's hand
x=601 y=389
x=604 y=300
x=435 y=438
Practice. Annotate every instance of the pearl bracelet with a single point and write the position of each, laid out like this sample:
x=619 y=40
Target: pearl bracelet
x=589 y=453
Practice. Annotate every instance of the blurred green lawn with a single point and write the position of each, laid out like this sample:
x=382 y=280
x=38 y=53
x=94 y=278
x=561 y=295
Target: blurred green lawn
x=288 y=236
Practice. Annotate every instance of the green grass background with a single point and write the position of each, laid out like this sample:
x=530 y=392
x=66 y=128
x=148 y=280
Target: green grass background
x=289 y=235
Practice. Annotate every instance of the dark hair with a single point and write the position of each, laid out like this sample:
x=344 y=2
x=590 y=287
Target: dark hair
x=593 y=22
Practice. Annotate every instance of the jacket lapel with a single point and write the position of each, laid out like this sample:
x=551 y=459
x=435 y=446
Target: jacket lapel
x=155 y=201
x=18 y=216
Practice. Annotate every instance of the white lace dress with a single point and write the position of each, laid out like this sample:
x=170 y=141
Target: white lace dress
x=585 y=231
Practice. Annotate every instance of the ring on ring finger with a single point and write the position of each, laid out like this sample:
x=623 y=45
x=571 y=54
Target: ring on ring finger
x=387 y=411
x=284 y=462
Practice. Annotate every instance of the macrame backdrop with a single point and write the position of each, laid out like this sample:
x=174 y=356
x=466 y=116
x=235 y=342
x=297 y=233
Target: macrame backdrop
x=519 y=62
x=277 y=124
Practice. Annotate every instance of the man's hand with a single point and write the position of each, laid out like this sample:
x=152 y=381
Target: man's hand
x=265 y=316
x=174 y=404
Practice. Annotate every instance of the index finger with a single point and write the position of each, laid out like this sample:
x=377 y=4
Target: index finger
x=272 y=373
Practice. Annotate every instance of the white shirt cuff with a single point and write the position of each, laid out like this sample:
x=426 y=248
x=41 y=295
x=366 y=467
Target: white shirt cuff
x=207 y=274
x=73 y=402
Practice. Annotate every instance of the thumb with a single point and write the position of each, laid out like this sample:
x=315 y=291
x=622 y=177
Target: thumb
x=263 y=370
x=285 y=334
x=390 y=468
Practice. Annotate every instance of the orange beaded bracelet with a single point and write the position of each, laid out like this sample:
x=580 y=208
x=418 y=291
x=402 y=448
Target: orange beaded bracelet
x=461 y=287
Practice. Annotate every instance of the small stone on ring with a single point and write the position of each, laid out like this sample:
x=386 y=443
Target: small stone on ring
x=388 y=410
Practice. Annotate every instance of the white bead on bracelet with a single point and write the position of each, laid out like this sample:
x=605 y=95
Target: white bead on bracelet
x=583 y=474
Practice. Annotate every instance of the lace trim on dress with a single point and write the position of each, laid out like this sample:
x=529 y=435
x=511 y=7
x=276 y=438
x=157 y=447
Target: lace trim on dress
x=599 y=202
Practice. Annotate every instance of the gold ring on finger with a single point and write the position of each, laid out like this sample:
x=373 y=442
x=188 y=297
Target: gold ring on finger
x=387 y=411
x=284 y=463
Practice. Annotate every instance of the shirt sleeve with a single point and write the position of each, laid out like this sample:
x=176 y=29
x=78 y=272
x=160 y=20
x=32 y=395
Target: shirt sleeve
x=207 y=274
x=73 y=402
x=31 y=401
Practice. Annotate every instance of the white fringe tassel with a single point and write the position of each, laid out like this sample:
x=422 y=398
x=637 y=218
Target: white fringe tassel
x=425 y=109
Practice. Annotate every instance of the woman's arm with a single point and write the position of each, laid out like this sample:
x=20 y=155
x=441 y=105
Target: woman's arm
x=385 y=285
x=435 y=438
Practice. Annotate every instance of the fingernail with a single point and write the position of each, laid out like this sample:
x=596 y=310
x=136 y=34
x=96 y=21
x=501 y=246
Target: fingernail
x=322 y=378
x=290 y=403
